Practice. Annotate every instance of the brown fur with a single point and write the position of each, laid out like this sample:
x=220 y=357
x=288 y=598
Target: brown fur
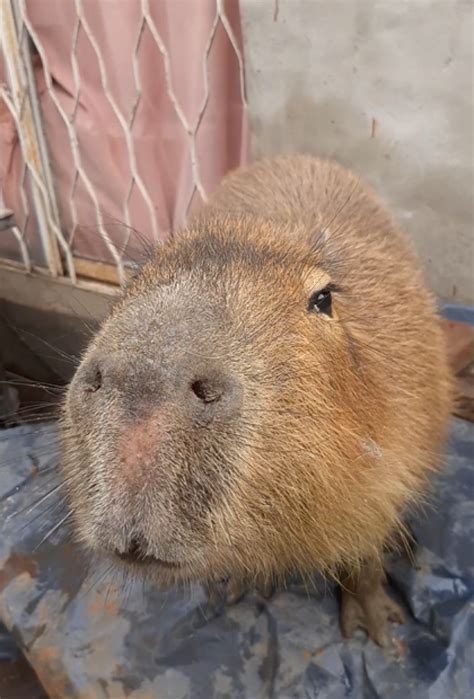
x=333 y=425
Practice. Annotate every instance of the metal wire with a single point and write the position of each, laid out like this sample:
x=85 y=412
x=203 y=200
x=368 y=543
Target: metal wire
x=20 y=97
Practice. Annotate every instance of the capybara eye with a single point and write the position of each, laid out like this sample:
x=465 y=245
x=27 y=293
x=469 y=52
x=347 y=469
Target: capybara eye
x=321 y=302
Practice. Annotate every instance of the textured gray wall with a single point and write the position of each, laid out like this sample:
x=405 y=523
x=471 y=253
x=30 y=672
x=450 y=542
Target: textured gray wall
x=386 y=88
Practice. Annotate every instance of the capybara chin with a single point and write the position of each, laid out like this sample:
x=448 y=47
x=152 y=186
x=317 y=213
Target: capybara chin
x=268 y=396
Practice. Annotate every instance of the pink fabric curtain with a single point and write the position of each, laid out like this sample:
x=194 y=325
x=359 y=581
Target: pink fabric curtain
x=161 y=144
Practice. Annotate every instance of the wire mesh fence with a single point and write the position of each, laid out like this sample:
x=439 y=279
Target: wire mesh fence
x=116 y=121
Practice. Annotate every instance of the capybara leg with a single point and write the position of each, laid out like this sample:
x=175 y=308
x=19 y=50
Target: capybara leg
x=235 y=590
x=366 y=605
x=265 y=587
x=214 y=592
x=228 y=591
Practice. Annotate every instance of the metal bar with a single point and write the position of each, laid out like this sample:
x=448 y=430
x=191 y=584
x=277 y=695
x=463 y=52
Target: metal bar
x=26 y=53
x=40 y=196
x=23 y=95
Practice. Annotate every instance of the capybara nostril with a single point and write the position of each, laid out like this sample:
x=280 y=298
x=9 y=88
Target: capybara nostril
x=91 y=379
x=208 y=390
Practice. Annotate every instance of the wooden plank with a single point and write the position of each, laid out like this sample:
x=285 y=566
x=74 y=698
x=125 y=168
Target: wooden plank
x=101 y=271
x=40 y=290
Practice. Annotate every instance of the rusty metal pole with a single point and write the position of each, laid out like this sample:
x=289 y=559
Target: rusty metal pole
x=23 y=98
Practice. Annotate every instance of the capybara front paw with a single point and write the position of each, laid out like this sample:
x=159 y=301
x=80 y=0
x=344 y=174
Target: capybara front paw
x=371 y=614
x=232 y=590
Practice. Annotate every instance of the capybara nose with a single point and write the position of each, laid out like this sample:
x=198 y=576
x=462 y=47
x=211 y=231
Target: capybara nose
x=203 y=390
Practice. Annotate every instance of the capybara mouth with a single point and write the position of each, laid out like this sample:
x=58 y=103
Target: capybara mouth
x=136 y=558
x=135 y=555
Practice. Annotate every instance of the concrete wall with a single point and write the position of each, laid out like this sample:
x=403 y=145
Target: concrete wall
x=386 y=88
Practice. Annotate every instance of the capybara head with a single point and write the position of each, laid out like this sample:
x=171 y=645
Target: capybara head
x=193 y=416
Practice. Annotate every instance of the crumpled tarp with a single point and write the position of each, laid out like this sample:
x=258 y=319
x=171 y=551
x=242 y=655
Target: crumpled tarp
x=104 y=637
